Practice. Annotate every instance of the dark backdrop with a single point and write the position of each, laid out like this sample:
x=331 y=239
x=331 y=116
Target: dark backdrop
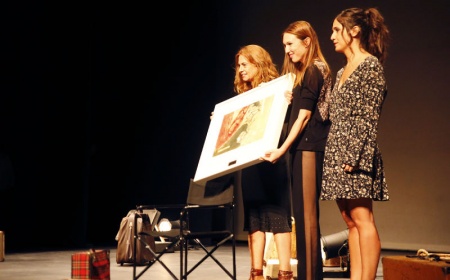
x=106 y=105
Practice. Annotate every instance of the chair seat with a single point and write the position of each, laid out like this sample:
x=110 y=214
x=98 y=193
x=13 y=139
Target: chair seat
x=223 y=233
x=168 y=234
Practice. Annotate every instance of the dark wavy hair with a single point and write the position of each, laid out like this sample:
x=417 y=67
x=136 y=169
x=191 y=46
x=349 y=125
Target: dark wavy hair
x=375 y=35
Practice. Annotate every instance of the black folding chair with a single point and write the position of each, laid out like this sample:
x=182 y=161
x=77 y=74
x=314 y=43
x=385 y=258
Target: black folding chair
x=215 y=198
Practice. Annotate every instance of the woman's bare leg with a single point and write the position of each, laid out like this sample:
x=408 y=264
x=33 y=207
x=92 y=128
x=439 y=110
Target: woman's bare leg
x=364 y=241
x=283 y=243
x=256 y=244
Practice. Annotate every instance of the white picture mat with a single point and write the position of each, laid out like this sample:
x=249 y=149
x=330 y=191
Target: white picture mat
x=263 y=133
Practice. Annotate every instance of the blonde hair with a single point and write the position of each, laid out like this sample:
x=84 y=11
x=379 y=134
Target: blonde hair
x=302 y=30
x=258 y=56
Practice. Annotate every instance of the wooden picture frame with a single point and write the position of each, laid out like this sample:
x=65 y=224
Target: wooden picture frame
x=243 y=128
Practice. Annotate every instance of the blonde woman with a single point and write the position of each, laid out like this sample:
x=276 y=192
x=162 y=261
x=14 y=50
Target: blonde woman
x=265 y=186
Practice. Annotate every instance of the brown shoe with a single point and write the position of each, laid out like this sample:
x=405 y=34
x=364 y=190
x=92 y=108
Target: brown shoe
x=285 y=275
x=256 y=274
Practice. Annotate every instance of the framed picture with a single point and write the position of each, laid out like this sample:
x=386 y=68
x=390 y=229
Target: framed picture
x=243 y=128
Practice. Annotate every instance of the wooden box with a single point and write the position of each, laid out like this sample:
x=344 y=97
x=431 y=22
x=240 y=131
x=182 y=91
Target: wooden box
x=2 y=246
x=412 y=268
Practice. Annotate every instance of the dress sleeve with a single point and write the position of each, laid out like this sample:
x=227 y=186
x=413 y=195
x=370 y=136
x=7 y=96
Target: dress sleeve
x=365 y=117
x=310 y=90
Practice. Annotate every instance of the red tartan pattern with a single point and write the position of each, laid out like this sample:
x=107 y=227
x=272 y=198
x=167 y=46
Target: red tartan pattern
x=87 y=265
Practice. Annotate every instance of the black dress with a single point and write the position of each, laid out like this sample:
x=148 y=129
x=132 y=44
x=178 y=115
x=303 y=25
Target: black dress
x=266 y=195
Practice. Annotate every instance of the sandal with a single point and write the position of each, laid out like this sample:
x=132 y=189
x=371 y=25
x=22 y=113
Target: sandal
x=254 y=273
x=285 y=275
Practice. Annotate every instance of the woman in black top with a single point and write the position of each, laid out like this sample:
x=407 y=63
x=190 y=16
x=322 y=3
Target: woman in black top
x=308 y=130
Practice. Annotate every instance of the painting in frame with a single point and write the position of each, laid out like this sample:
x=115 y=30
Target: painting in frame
x=243 y=128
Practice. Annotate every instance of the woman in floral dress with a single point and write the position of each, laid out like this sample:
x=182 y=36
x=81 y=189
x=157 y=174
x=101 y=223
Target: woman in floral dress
x=353 y=173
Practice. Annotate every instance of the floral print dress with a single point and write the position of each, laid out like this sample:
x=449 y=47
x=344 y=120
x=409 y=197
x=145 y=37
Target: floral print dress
x=354 y=113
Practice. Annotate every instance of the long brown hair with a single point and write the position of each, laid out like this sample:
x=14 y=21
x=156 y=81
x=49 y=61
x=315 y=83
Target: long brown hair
x=302 y=30
x=257 y=55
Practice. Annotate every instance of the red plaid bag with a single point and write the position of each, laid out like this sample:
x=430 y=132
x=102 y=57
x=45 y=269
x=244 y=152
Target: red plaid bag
x=93 y=264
